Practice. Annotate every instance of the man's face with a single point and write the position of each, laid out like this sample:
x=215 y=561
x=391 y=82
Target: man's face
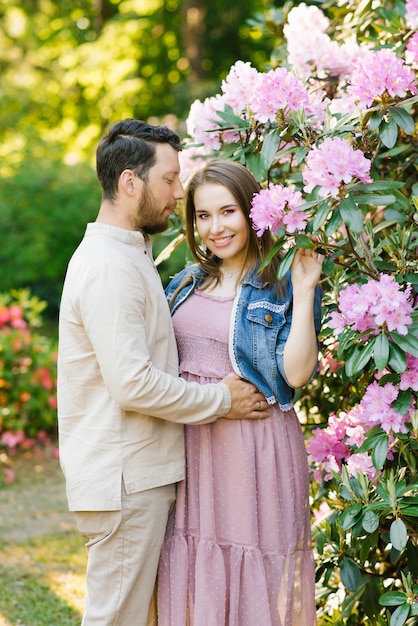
x=160 y=192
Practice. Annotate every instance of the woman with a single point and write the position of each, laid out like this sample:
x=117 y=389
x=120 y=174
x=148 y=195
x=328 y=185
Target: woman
x=237 y=550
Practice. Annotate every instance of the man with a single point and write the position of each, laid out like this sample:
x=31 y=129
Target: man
x=121 y=404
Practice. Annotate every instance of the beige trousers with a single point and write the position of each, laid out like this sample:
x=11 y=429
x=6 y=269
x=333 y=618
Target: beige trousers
x=123 y=553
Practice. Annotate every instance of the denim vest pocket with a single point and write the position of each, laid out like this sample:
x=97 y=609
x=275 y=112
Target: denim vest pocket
x=266 y=313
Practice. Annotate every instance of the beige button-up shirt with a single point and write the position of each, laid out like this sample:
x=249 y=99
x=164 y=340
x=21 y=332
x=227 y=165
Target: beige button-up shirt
x=121 y=405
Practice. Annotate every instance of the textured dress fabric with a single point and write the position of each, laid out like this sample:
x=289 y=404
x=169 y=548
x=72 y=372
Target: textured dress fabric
x=237 y=550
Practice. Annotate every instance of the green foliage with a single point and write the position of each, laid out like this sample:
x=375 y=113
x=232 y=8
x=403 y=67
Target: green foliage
x=71 y=68
x=44 y=208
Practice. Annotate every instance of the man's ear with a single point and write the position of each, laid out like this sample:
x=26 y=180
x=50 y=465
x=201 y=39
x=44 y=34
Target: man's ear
x=129 y=182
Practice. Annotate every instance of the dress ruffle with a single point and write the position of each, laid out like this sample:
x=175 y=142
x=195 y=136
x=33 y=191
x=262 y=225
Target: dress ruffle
x=213 y=584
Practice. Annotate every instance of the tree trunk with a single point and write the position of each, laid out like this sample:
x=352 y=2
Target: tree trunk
x=194 y=13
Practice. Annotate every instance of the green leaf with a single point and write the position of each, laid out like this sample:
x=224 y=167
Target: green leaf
x=300 y=154
x=351 y=215
x=408 y=342
x=397 y=358
x=400 y=615
x=402 y=402
x=327 y=266
x=269 y=148
x=286 y=262
x=370 y=521
x=271 y=254
x=410 y=511
x=403 y=119
x=320 y=216
x=392 y=598
x=381 y=351
x=334 y=223
x=375 y=120
x=398 y=534
x=388 y=132
x=375 y=198
x=350 y=574
x=232 y=118
x=254 y=163
x=377 y=185
x=380 y=452
x=359 y=358
x=349 y=517
x=303 y=241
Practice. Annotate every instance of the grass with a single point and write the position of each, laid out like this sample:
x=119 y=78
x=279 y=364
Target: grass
x=42 y=555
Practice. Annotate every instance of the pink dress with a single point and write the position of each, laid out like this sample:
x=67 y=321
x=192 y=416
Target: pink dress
x=238 y=546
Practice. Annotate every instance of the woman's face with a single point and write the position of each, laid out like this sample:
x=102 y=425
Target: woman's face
x=221 y=224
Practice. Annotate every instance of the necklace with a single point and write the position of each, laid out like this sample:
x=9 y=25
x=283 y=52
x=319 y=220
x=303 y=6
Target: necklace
x=230 y=274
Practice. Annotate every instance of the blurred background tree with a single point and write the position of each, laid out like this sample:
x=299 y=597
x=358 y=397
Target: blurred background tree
x=69 y=69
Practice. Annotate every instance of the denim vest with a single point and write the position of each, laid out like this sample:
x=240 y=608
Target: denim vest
x=260 y=326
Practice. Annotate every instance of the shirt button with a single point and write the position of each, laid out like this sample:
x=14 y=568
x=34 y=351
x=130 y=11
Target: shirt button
x=268 y=318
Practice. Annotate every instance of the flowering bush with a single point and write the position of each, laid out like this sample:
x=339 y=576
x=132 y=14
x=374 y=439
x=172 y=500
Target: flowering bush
x=27 y=379
x=330 y=134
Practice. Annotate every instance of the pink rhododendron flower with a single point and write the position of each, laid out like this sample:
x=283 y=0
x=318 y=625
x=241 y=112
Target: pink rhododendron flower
x=311 y=52
x=276 y=208
x=277 y=90
x=377 y=73
x=409 y=378
x=411 y=52
x=374 y=305
x=321 y=512
x=327 y=362
x=11 y=440
x=361 y=463
x=332 y=163
x=306 y=36
x=238 y=86
x=202 y=123
x=328 y=447
x=190 y=159
x=412 y=14
x=376 y=404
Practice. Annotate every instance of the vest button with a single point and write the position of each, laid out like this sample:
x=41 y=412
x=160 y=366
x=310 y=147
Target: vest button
x=268 y=318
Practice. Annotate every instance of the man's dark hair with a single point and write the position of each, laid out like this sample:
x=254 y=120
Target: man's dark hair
x=130 y=144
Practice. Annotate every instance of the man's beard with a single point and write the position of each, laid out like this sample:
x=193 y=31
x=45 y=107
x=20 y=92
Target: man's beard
x=151 y=219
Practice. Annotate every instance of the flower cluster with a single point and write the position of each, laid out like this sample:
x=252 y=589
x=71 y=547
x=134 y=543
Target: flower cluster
x=277 y=208
x=377 y=406
x=239 y=86
x=11 y=317
x=278 y=90
x=377 y=304
x=337 y=444
x=412 y=14
x=332 y=163
x=377 y=74
x=330 y=447
x=411 y=54
x=311 y=51
x=27 y=381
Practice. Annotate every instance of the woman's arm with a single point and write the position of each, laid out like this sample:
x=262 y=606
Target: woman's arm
x=301 y=349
